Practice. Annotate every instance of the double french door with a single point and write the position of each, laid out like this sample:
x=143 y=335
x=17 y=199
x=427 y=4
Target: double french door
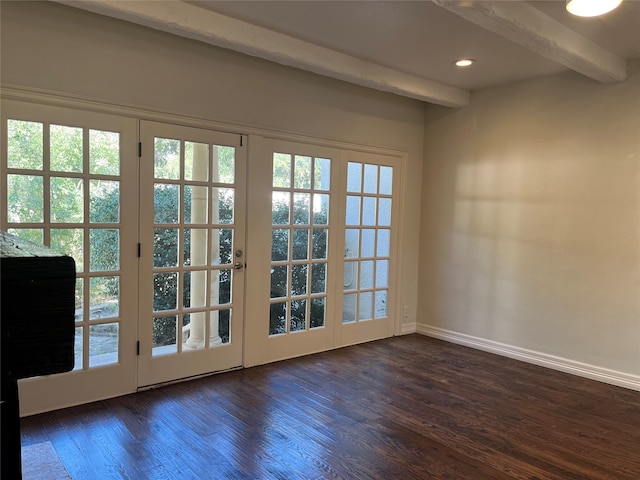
x=324 y=267
x=192 y=257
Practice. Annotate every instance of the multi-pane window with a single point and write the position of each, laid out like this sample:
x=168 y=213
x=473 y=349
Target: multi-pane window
x=63 y=191
x=300 y=230
x=367 y=242
x=193 y=257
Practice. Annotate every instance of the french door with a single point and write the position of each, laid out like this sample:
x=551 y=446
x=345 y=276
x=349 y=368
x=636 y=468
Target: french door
x=192 y=256
x=69 y=180
x=324 y=267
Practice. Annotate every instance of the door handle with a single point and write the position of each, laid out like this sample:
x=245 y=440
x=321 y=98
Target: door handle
x=238 y=265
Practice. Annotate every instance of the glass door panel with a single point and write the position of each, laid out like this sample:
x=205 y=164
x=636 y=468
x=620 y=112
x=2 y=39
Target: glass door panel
x=291 y=217
x=300 y=230
x=191 y=306
x=370 y=230
x=67 y=175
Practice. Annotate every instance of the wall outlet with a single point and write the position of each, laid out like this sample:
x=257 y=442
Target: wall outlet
x=405 y=311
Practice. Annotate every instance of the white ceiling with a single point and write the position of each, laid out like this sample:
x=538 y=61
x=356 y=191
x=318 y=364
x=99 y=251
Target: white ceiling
x=405 y=47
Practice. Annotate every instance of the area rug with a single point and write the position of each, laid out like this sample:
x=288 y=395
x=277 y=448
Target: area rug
x=41 y=462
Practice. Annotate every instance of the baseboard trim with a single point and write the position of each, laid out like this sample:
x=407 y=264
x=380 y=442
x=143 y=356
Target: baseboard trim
x=592 y=372
x=408 y=328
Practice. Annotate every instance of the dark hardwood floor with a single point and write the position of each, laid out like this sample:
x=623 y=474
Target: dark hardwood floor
x=402 y=408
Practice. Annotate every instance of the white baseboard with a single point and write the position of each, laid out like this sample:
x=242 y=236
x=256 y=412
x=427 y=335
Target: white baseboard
x=537 y=358
x=408 y=328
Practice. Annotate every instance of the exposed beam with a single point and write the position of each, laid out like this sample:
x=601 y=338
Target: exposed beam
x=193 y=22
x=526 y=25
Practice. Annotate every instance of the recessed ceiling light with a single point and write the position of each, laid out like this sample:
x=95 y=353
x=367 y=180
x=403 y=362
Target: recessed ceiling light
x=464 y=62
x=591 y=8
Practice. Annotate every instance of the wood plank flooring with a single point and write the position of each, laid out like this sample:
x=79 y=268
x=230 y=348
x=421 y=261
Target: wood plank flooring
x=408 y=407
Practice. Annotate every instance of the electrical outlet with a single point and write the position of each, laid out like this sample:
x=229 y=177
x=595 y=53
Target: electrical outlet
x=405 y=311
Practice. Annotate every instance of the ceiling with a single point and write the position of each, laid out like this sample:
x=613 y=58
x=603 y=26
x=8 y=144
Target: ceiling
x=405 y=47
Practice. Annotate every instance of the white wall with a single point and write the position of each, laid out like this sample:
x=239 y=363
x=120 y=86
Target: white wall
x=60 y=49
x=530 y=238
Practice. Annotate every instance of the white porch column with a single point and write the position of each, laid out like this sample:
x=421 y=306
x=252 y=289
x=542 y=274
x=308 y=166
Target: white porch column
x=198 y=251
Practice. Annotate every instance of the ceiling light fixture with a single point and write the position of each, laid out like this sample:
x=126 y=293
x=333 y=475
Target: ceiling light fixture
x=464 y=62
x=591 y=8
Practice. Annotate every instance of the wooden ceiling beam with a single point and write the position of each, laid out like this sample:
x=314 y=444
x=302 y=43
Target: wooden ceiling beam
x=525 y=25
x=190 y=21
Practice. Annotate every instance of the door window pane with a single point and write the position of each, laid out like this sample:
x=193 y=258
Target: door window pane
x=222 y=286
x=24 y=144
x=370 y=178
x=223 y=205
x=279 y=281
x=165 y=291
x=354 y=177
x=301 y=208
x=67 y=200
x=280 y=208
x=301 y=244
x=165 y=247
x=386 y=180
x=298 y=315
x=196 y=161
x=281 y=170
x=349 y=306
x=166 y=203
x=103 y=344
x=365 y=306
x=104 y=201
x=166 y=159
x=32 y=234
x=298 y=280
x=21 y=207
x=224 y=324
x=165 y=335
x=78 y=349
x=278 y=318
x=353 y=210
x=65 y=148
x=302 y=172
x=104 y=249
x=195 y=204
x=321 y=174
x=366 y=274
x=368 y=211
x=320 y=209
x=351 y=243
x=368 y=242
x=104 y=297
x=194 y=289
x=382 y=273
x=320 y=244
x=104 y=152
x=384 y=241
x=384 y=212
x=279 y=244
x=318 y=277
x=317 y=314
x=224 y=164
x=381 y=304
x=195 y=247
x=222 y=246
x=69 y=241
